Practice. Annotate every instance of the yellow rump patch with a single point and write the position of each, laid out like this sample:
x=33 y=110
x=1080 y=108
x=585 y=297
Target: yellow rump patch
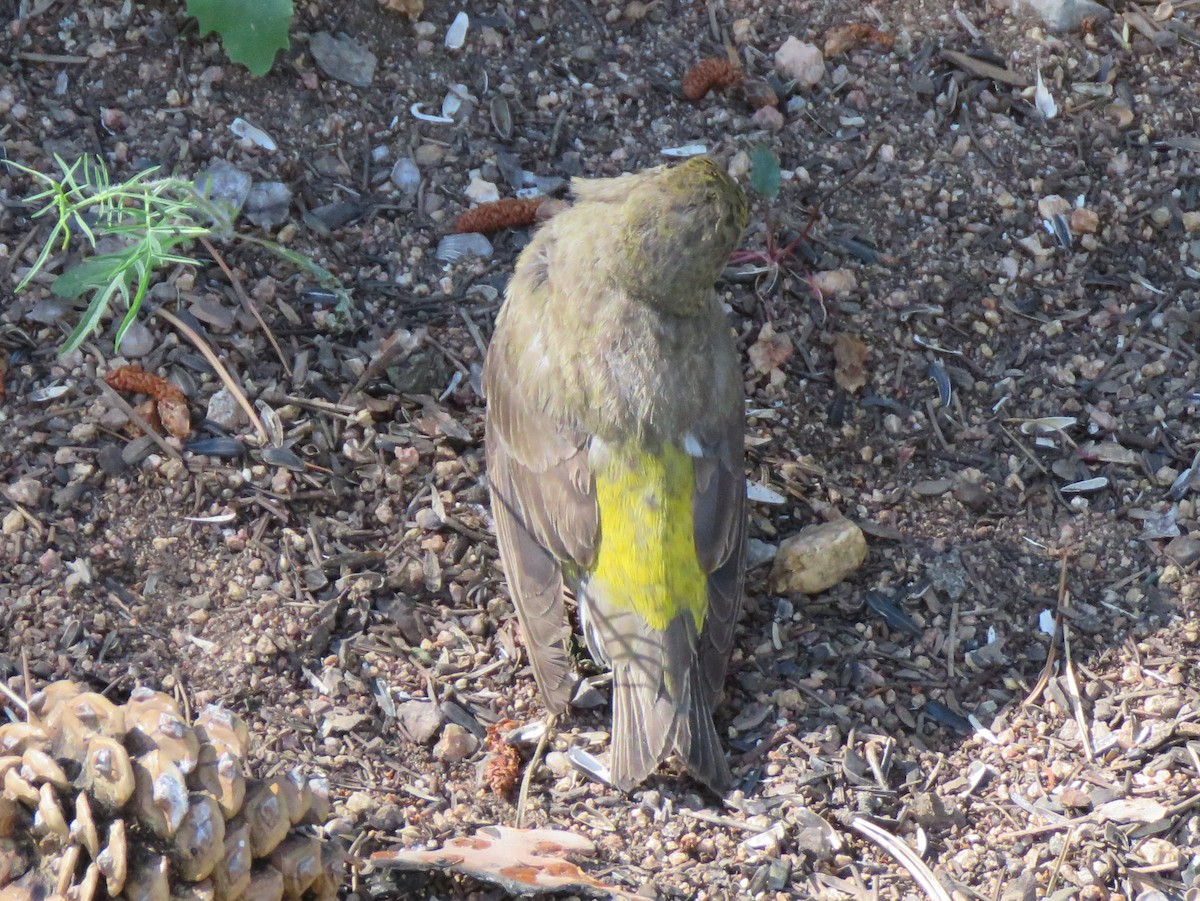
x=646 y=561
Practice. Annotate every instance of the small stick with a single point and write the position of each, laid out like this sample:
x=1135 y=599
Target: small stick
x=523 y=795
x=219 y=369
x=904 y=855
x=247 y=302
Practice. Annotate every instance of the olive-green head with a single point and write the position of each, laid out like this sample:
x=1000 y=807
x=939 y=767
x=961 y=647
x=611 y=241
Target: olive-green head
x=681 y=223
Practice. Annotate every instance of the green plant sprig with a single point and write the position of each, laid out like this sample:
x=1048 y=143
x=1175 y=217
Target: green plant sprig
x=150 y=217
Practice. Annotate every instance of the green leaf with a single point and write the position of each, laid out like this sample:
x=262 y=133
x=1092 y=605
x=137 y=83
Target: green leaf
x=251 y=32
x=764 y=171
x=93 y=274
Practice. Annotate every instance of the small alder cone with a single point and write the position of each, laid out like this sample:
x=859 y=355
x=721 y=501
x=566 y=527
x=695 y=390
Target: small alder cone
x=105 y=801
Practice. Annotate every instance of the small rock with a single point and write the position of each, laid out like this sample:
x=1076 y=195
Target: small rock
x=360 y=803
x=759 y=552
x=335 y=723
x=455 y=745
x=1053 y=205
x=343 y=58
x=268 y=203
x=480 y=190
x=932 y=487
x=835 y=284
x=972 y=495
x=1068 y=15
x=739 y=165
x=13 y=522
x=420 y=720
x=1191 y=221
x=26 y=492
x=110 y=460
x=1159 y=853
x=768 y=117
x=224 y=410
x=818 y=558
x=1184 y=550
x=930 y=811
x=49 y=310
x=225 y=182
x=429 y=154
x=558 y=763
x=801 y=61
x=1074 y=799
x=1086 y=222
x=406 y=176
x=137 y=341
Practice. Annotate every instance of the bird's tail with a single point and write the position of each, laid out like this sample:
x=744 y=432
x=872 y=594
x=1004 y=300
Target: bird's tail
x=650 y=724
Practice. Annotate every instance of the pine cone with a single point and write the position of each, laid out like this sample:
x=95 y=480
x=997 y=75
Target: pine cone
x=488 y=218
x=710 y=75
x=105 y=801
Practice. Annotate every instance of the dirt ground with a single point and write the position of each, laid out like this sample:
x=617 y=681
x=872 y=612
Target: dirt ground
x=320 y=592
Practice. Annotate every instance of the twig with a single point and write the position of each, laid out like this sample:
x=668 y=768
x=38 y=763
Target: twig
x=1052 y=654
x=58 y=59
x=343 y=411
x=247 y=302
x=1076 y=697
x=905 y=855
x=1024 y=450
x=476 y=335
x=523 y=795
x=1058 y=863
x=728 y=822
x=219 y=369
x=17 y=700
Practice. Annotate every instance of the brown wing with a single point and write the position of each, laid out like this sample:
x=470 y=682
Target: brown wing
x=544 y=507
x=719 y=510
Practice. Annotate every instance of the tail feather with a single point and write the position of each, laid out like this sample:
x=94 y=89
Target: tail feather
x=649 y=726
x=697 y=744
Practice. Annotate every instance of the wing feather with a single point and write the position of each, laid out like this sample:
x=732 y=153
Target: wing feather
x=545 y=511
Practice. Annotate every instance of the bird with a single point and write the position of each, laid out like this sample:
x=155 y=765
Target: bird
x=615 y=446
